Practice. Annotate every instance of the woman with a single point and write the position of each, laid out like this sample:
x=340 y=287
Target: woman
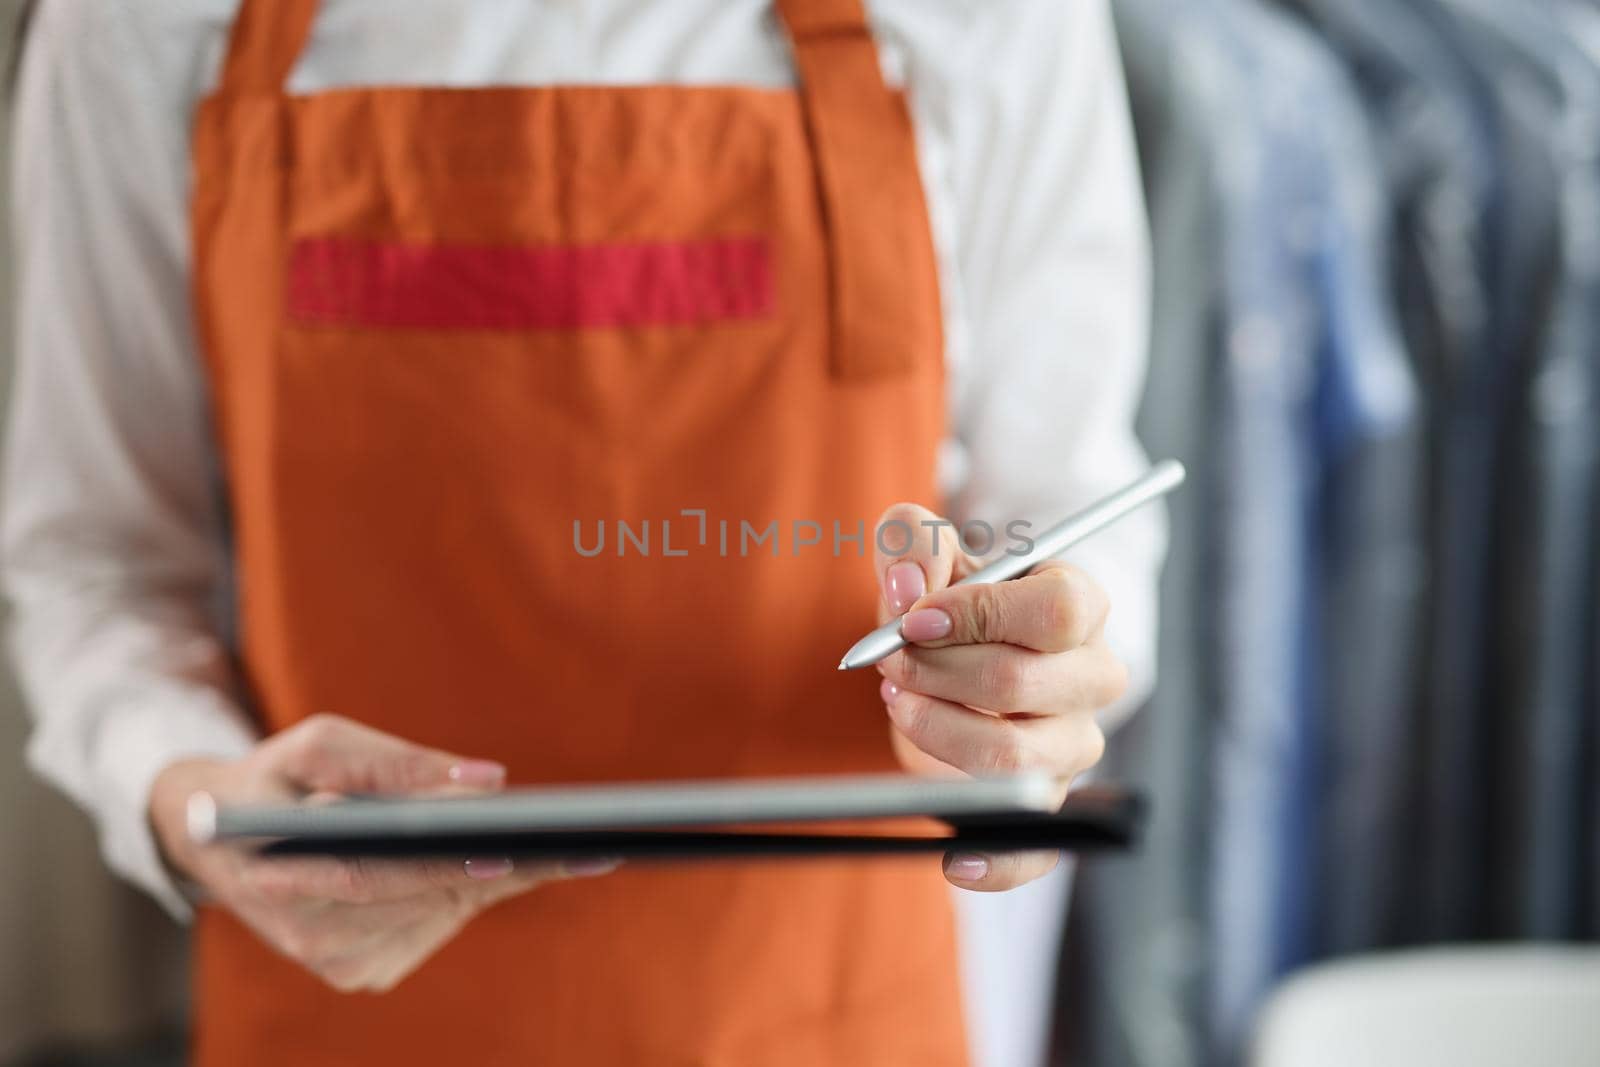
x=318 y=376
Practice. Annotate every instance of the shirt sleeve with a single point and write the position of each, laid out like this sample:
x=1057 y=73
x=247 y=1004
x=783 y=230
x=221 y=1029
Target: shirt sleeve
x=111 y=539
x=1052 y=263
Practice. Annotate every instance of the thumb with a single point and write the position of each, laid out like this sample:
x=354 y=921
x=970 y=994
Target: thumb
x=915 y=552
x=328 y=753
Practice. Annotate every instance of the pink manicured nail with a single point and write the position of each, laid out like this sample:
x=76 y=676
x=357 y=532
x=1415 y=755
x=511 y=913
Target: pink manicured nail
x=928 y=624
x=888 y=690
x=478 y=772
x=967 y=867
x=904 y=584
x=589 y=866
x=484 y=870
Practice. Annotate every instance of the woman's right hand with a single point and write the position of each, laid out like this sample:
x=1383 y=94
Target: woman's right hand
x=359 y=924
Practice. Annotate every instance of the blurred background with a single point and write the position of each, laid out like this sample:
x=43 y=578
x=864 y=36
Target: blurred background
x=1377 y=335
x=1375 y=749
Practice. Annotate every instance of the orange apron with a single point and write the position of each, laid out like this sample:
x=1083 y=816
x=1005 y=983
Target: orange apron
x=450 y=333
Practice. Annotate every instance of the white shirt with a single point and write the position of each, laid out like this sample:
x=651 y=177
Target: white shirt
x=113 y=539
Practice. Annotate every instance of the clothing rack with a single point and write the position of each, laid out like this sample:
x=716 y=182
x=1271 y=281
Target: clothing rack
x=1376 y=347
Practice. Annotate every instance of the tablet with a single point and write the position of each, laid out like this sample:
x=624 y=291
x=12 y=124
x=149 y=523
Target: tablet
x=631 y=806
x=682 y=819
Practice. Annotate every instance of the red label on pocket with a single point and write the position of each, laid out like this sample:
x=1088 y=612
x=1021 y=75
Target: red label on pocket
x=340 y=281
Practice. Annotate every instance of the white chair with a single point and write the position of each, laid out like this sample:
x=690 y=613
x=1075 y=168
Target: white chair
x=1523 y=1006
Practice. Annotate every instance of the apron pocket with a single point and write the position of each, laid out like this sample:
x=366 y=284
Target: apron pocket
x=339 y=281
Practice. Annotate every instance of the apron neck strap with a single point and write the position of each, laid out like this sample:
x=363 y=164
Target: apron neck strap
x=267 y=38
x=809 y=20
x=870 y=187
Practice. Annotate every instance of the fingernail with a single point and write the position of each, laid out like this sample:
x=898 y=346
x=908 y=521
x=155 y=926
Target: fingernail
x=929 y=624
x=967 y=867
x=589 y=866
x=888 y=690
x=478 y=772
x=904 y=585
x=484 y=870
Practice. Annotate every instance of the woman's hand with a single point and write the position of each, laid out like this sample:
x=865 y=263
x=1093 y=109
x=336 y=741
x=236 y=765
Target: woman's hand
x=997 y=679
x=358 y=924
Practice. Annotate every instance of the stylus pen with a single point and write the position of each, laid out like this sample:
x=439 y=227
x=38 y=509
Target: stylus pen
x=1159 y=480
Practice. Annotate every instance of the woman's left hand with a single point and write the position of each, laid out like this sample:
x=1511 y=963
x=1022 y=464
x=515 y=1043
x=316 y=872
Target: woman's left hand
x=997 y=678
